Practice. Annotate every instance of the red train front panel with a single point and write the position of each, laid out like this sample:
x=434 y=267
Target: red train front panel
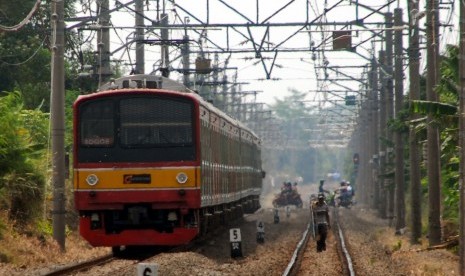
x=137 y=167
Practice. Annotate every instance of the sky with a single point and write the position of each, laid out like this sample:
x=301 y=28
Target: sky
x=292 y=70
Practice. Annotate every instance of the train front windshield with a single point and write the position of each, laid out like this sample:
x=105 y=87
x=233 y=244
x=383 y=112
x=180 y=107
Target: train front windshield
x=136 y=129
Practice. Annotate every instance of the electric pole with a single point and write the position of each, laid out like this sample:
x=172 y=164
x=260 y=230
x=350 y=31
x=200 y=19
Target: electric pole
x=374 y=195
x=399 y=142
x=165 y=54
x=139 y=36
x=361 y=166
x=57 y=122
x=433 y=162
x=382 y=204
x=185 y=61
x=222 y=99
x=389 y=181
x=414 y=151
x=103 y=42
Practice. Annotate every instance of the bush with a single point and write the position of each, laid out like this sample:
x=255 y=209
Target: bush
x=23 y=145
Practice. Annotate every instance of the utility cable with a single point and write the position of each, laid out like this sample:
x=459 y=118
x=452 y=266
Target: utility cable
x=23 y=22
x=28 y=59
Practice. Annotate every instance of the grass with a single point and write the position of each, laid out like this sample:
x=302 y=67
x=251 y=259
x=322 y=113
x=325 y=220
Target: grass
x=397 y=246
x=28 y=247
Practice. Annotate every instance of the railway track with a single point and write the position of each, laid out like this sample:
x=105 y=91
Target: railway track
x=130 y=256
x=361 y=233
x=295 y=264
x=68 y=269
x=346 y=259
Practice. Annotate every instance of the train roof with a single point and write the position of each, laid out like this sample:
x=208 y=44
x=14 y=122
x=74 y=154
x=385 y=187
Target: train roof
x=147 y=81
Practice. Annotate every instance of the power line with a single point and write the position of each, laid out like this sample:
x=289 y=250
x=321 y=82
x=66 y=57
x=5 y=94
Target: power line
x=28 y=59
x=23 y=22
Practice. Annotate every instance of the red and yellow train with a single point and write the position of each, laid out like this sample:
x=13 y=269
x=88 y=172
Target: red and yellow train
x=155 y=164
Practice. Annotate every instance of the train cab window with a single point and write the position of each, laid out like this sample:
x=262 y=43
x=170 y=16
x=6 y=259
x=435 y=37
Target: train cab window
x=97 y=124
x=154 y=134
x=136 y=128
x=155 y=122
x=181 y=134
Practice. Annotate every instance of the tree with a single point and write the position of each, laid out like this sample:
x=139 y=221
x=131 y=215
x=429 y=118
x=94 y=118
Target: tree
x=25 y=55
x=295 y=155
x=444 y=114
x=25 y=65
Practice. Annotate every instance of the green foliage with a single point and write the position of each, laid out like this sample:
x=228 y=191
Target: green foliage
x=448 y=88
x=10 y=107
x=400 y=123
x=448 y=94
x=25 y=57
x=23 y=144
x=445 y=116
x=25 y=193
x=70 y=97
x=450 y=189
x=45 y=227
x=25 y=66
x=2 y=229
x=433 y=108
x=397 y=246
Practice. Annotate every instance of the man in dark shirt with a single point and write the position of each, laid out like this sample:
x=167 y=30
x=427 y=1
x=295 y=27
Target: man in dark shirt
x=321 y=221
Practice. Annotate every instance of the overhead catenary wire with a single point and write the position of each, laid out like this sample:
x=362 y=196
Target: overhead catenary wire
x=316 y=8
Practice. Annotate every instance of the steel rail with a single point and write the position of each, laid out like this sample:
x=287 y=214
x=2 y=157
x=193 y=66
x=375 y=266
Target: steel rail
x=292 y=266
x=294 y=263
x=348 y=259
x=80 y=266
x=348 y=267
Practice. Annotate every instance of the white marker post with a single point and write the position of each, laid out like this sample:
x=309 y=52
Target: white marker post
x=260 y=232
x=235 y=240
x=147 y=269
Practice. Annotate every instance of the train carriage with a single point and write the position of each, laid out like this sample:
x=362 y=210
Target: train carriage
x=155 y=164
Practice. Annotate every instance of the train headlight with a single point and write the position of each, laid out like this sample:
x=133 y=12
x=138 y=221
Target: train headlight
x=92 y=179
x=181 y=178
x=172 y=216
x=95 y=222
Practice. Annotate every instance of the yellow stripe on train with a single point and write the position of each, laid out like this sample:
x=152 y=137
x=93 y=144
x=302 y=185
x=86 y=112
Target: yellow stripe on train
x=127 y=178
